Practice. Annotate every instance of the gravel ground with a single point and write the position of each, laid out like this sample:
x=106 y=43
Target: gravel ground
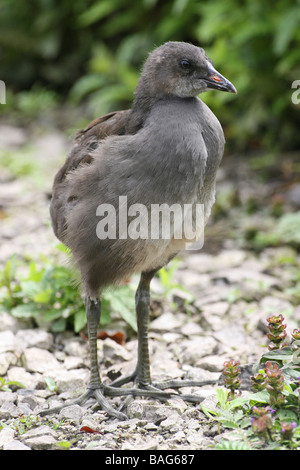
x=234 y=290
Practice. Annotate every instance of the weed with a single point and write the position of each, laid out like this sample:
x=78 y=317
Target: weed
x=6 y=384
x=269 y=418
x=46 y=294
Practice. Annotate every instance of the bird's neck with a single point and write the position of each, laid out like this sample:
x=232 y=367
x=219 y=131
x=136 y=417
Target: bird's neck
x=144 y=100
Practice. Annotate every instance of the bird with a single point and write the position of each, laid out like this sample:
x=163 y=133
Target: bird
x=166 y=150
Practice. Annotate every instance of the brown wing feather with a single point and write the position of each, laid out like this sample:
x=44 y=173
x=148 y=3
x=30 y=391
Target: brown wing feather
x=86 y=140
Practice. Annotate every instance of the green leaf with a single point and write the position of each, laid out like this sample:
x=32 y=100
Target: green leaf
x=222 y=396
x=34 y=274
x=50 y=384
x=96 y=12
x=79 y=320
x=5 y=384
x=25 y=311
x=282 y=354
x=288 y=24
x=43 y=297
x=30 y=289
x=258 y=397
x=233 y=445
x=64 y=445
x=51 y=315
x=122 y=302
x=59 y=325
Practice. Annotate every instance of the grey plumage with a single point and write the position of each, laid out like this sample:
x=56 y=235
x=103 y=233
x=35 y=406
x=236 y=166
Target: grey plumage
x=166 y=149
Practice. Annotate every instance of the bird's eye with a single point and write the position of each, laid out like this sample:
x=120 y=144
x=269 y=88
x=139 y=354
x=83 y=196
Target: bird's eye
x=185 y=64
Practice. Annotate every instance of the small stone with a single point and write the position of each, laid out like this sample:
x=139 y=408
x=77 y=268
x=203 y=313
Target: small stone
x=217 y=308
x=114 y=351
x=11 y=136
x=19 y=374
x=168 y=321
x=8 y=410
x=179 y=436
x=231 y=335
x=8 y=397
x=15 y=445
x=9 y=323
x=210 y=403
x=75 y=347
x=6 y=435
x=73 y=362
x=177 y=404
x=72 y=413
x=69 y=380
x=194 y=438
x=40 y=438
x=7 y=359
x=39 y=360
x=30 y=400
x=194 y=349
x=172 y=423
x=272 y=305
x=24 y=409
x=35 y=338
x=144 y=409
x=191 y=329
x=212 y=363
x=7 y=341
x=42 y=443
x=150 y=427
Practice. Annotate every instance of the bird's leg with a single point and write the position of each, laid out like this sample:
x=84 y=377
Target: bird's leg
x=141 y=375
x=95 y=388
x=142 y=310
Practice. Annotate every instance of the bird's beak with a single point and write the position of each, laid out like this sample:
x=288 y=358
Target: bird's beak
x=216 y=81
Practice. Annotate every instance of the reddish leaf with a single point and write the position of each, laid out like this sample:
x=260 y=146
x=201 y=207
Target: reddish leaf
x=87 y=429
x=118 y=337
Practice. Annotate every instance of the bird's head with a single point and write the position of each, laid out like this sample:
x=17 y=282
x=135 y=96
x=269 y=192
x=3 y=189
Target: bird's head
x=181 y=69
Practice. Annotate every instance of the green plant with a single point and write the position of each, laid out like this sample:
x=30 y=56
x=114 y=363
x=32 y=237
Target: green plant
x=274 y=383
x=90 y=53
x=25 y=423
x=284 y=231
x=262 y=421
x=231 y=372
x=277 y=332
x=165 y=276
x=46 y=294
x=269 y=418
x=6 y=384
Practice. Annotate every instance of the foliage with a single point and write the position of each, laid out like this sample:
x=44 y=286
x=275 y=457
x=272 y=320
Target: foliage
x=24 y=423
x=269 y=418
x=231 y=371
x=90 y=52
x=47 y=294
x=285 y=231
x=6 y=384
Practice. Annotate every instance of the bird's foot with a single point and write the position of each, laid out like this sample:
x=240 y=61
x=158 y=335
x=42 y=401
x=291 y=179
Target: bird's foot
x=177 y=384
x=98 y=394
x=156 y=389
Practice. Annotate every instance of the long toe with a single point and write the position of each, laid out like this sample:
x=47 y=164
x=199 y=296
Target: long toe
x=101 y=401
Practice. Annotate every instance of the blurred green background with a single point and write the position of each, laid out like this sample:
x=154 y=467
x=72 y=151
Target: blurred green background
x=86 y=55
